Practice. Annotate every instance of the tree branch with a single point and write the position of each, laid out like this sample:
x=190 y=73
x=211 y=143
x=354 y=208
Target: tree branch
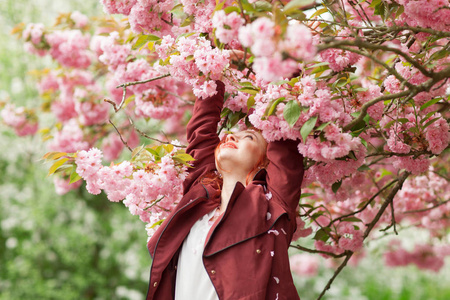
x=120 y=135
x=318 y=251
x=388 y=201
x=149 y=137
x=336 y=273
x=124 y=86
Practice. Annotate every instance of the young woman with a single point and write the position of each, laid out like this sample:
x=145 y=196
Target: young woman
x=228 y=237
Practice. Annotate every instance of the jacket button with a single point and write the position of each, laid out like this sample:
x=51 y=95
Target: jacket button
x=258 y=251
x=155 y=284
x=213 y=272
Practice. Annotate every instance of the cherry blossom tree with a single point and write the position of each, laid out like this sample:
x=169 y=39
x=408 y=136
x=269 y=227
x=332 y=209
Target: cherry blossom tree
x=363 y=86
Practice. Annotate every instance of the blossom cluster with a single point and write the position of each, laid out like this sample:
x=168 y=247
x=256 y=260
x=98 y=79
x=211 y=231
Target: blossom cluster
x=424 y=256
x=269 y=63
x=22 y=120
x=149 y=192
x=193 y=60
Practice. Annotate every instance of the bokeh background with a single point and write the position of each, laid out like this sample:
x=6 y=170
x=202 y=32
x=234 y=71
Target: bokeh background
x=80 y=246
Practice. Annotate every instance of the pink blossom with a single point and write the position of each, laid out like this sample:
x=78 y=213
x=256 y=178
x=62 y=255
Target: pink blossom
x=113 y=53
x=118 y=6
x=415 y=166
x=350 y=238
x=69 y=48
x=63 y=186
x=233 y=22
x=207 y=89
x=23 y=121
x=437 y=135
x=304 y=264
x=148 y=18
x=298 y=42
x=69 y=139
x=79 y=19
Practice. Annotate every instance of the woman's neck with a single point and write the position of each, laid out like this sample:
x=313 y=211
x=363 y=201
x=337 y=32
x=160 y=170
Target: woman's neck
x=229 y=183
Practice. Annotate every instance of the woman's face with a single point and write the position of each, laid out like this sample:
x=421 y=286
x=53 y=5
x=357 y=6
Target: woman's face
x=240 y=152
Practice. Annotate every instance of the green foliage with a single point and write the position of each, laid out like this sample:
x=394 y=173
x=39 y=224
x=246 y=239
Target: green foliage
x=76 y=246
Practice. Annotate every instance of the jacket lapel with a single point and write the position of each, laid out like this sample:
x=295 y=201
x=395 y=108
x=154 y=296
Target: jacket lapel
x=252 y=215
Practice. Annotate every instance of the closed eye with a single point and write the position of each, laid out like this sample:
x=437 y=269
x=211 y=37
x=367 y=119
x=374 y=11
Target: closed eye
x=251 y=137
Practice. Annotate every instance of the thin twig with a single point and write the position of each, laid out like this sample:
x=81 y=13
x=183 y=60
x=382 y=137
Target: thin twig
x=425 y=209
x=120 y=135
x=318 y=251
x=388 y=201
x=365 y=205
x=151 y=138
x=336 y=273
x=124 y=87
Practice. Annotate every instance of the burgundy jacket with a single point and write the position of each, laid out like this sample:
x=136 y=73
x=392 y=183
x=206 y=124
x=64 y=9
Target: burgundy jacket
x=245 y=253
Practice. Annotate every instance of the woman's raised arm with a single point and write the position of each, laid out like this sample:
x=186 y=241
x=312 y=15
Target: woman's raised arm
x=202 y=134
x=285 y=173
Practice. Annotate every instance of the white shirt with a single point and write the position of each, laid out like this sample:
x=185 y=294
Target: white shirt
x=192 y=280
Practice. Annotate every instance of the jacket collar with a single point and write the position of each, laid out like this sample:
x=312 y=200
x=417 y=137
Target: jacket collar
x=248 y=214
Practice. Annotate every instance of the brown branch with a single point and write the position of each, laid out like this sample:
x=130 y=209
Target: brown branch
x=124 y=87
x=149 y=137
x=413 y=153
x=362 y=44
x=120 y=135
x=318 y=251
x=368 y=104
x=386 y=66
x=436 y=77
x=336 y=273
x=425 y=209
x=387 y=202
x=365 y=205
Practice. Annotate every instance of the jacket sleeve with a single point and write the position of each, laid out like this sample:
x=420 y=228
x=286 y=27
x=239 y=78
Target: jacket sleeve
x=202 y=134
x=285 y=174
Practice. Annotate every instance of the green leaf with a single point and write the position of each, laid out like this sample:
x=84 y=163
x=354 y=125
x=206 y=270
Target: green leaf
x=262 y=6
x=351 y=219
x=153 y=152
x=249 y=91
x=322 y=234
x=363 y=168
x=168 y=147
x=292 y=112
x=307 y=128
x=429 y=103
x=137 y=150
x=56 y=165
x=335 y=187
x=141 y=41
x=317 y=214
x=439 y=54
x=54 y=155
x=74 y=177
x=279 y=82
x=184 y=156
x=430 y=122
x=250 y=101
x=295 y=5
x=319 y=12
x=322 y=126
x=219 y=6
x=230 y=9
x=304 y=195
x=427 y=116
x=270 y=110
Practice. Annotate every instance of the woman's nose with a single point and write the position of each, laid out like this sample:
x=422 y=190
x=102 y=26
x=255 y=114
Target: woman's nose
x=231 y=138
